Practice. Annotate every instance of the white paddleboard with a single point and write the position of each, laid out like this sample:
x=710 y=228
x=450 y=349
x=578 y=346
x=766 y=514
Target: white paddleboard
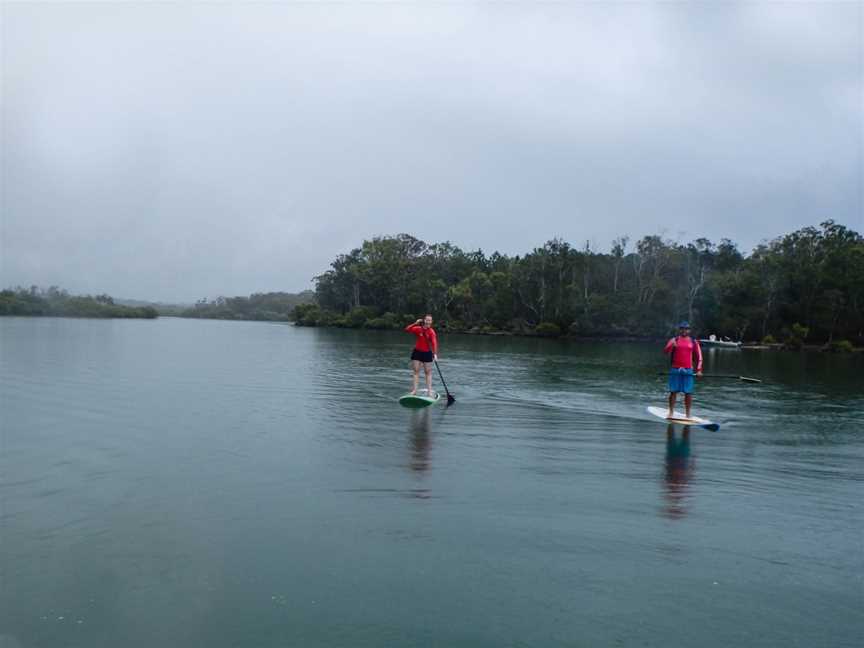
x=678 y=417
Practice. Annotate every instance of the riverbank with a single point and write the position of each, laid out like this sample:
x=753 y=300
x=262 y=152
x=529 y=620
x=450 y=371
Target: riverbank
x=313 y=317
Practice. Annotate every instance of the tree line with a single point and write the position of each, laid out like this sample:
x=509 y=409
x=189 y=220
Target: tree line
x=54 y=302
x=272 y=306
x=805 y=285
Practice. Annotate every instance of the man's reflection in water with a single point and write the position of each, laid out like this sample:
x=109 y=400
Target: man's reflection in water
x=679 y=470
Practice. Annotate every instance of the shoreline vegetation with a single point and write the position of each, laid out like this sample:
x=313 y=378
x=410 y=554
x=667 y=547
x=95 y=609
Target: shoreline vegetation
x=801 y=290
x=54 y=302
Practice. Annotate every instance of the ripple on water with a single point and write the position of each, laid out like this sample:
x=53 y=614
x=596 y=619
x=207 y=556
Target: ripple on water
x=219 y=463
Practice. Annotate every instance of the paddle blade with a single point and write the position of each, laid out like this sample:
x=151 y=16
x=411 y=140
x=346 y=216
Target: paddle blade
x=750 y=380
x=712 y=426
x=450 y=400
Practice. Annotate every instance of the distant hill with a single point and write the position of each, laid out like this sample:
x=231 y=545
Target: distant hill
x=55 y=302
x=162 y=308
x=273 y=306
x=141 y=302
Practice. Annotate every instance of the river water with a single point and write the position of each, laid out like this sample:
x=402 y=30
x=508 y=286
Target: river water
x=205 y=483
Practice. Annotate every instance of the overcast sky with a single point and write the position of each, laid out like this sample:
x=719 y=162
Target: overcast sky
x=174 y=151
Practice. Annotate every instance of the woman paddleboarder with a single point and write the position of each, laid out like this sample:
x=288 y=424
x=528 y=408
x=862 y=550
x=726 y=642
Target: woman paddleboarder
x=686 y=353
x=425 y=351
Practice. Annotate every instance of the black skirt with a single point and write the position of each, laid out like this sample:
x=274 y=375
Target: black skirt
x=422 y=356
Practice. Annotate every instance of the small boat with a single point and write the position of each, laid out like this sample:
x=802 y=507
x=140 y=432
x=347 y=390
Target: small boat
x=713 y=341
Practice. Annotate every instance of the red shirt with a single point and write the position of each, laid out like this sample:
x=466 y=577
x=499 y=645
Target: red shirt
x=422 y=335
x=683 y=349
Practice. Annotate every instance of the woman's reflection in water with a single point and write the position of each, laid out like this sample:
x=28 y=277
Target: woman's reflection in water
x=420 y=438
x=679 y=471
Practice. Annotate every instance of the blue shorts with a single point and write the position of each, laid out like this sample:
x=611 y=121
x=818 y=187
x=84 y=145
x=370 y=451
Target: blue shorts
x=681 y=380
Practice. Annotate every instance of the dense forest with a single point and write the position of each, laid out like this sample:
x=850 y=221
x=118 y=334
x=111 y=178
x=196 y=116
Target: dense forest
x=806 y=286
x=274 y=306
x=55 y=302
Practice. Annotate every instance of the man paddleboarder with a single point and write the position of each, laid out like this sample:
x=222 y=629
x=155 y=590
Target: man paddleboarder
x=425 y=351
x=686 y=355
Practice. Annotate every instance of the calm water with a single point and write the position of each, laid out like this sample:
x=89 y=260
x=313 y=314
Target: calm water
x=204 y=483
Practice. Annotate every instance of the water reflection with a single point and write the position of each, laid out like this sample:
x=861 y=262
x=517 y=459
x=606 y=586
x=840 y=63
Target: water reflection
x=419 y=429
x=679 y=472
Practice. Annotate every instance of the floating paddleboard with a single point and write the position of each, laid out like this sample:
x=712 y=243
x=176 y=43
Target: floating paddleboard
x=420 y=399
x=678 y=417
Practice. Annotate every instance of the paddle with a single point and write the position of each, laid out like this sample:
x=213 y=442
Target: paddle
x=741 y=378
x=450 y=399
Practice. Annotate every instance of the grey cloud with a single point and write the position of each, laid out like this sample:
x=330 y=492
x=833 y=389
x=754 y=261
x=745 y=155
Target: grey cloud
x=177 y=151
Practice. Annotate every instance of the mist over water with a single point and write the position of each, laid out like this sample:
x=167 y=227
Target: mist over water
x=178 y=482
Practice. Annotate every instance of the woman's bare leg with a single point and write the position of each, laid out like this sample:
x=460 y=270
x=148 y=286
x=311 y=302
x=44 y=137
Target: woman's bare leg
x=427 y=366
x=415 y=367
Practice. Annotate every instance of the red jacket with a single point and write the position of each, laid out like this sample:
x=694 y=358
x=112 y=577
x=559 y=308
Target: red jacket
x=684 y=350
x=424 y=337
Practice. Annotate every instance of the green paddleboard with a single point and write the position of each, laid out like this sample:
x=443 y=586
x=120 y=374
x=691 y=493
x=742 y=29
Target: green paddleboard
x=419 y=400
